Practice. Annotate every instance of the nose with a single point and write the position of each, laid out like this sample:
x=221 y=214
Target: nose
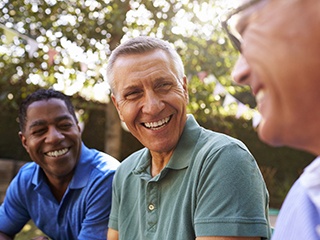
x=153 y=104
x=54 y=135
x=241 y=71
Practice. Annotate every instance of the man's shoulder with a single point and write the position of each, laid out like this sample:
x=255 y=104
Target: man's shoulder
x=98 y=160
x=27 y=169
x=106 y=161
x=217 y=140
x=133 y=160
x=24 y=176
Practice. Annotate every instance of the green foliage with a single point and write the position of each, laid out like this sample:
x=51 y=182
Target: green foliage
x=201 y=100
x=84 y=32
x=28 y=232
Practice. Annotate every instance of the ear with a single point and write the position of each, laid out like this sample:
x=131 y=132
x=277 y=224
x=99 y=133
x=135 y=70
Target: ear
x=115 y=103
x=80 y=127
x=23 y=140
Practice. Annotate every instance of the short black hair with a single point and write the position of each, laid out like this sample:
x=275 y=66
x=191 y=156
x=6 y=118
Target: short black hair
x=39 y=95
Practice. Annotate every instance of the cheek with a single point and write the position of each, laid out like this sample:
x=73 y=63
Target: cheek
x=183 y=98
x=33 y=151
x=127 y=112
x=28 y=144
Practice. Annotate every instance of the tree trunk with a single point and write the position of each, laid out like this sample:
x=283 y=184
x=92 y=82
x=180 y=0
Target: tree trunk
x=113 y=132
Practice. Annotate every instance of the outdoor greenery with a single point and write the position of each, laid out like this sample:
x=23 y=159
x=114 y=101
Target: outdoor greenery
x=29 y=232
x=74 y=39
x=66 y=44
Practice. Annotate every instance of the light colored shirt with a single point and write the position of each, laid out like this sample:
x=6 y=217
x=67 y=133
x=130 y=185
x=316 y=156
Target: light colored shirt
x=299 y=216
x=211 y=186
x=83 y=213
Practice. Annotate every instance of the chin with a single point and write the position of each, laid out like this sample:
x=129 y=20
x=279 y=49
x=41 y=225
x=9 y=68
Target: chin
x=270 y=136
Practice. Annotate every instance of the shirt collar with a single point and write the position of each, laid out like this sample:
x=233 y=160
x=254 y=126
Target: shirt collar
x=181 y=156
x=311 y=181
x=81 y=174
x=83 y=169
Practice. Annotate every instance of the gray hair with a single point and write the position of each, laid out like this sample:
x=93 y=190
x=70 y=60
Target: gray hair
x=143 y=44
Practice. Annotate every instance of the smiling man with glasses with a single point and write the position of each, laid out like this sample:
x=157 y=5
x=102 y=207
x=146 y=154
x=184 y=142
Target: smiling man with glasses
x=280 y=60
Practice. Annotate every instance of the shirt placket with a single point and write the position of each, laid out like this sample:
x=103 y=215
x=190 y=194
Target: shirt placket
x=152 y=202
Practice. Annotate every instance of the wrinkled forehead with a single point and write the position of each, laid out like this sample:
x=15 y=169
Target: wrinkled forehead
x=142 y=63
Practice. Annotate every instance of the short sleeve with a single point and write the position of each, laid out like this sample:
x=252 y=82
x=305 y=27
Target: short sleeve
x=113 y=220
x=13 y=212
x=232 y=196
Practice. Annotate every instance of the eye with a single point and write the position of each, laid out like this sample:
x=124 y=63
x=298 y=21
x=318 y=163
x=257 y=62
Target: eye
x=164 y=86
x=241 y=26
x=132 y=94
x=65 y=125
x=39 y=131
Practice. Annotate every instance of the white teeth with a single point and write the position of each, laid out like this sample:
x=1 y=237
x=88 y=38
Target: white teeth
x=260 y=96
x=57 y=153
x=157 y=124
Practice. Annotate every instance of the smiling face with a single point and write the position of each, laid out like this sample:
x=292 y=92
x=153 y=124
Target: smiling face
x=280 y=61
x=150 y=99
x=52 y=138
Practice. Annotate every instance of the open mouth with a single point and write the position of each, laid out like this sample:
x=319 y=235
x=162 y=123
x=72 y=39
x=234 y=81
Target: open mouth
x=260 y=96
x=157 y=125
x=57 y=153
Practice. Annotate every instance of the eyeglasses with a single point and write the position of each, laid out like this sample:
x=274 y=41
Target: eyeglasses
x=236 y=41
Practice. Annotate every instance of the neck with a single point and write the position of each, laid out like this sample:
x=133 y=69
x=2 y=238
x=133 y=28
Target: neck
x=159 y=161
x=58 y=186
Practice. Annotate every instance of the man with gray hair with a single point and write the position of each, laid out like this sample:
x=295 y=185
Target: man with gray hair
x=188 y=182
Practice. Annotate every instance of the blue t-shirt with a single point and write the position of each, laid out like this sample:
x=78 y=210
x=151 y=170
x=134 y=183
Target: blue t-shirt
x=211 y=186
x=83 y=212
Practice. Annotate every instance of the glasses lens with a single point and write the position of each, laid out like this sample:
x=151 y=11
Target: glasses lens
x=233 y=18
x=233 y=34
x=235 y=42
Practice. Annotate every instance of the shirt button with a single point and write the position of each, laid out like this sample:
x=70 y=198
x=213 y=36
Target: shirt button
x=151 y=207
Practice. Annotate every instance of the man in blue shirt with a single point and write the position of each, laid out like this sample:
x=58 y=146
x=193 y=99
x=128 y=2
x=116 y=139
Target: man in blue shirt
x=66 y=190
x=280 y=56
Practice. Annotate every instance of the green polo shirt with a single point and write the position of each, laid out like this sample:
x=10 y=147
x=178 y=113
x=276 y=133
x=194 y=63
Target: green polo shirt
x=211 y=186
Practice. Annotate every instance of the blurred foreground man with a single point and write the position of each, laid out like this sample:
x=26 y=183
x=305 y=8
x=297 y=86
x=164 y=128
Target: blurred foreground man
x=280 y=59
x=66 y=190
x=188 y=182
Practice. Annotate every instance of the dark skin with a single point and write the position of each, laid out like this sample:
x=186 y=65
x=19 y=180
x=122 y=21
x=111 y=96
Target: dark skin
x=52 y=138
x=5 y=237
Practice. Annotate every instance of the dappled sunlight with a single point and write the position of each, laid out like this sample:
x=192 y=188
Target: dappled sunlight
x=28 y=232
x=77 y=68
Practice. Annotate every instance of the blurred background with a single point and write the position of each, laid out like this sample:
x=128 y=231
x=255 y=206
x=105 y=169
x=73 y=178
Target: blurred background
x=65 y=45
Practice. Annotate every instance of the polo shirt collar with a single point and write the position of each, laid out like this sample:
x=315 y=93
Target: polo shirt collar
x=181 y=156
x=310 y=180
x=83 y=170
x=81 y=174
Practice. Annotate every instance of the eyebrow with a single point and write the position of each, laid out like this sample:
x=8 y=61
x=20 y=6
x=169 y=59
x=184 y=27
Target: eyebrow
x=160 y=79
x=43 y=122
x=131 y=87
